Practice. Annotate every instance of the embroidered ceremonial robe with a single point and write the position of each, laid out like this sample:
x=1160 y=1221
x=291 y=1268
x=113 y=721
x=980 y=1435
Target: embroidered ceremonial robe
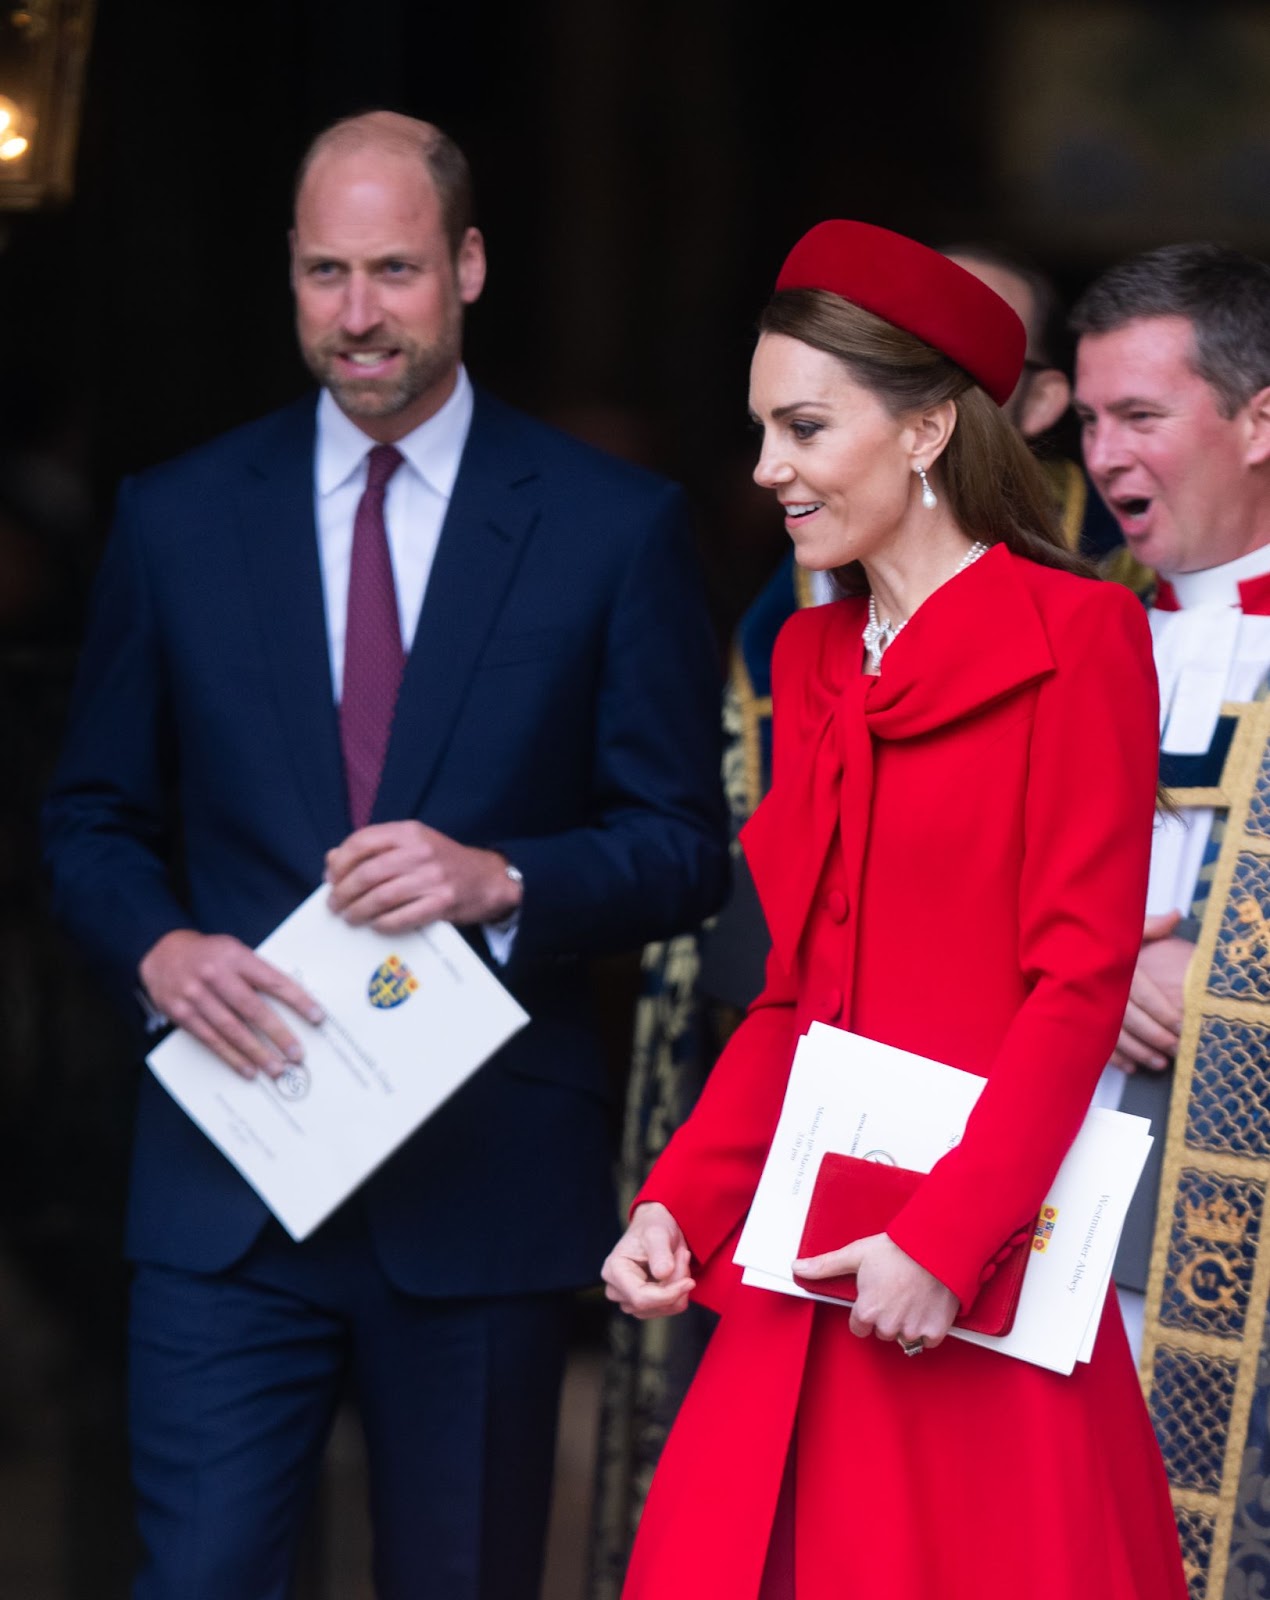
x=953 y=860
x=1200 y=667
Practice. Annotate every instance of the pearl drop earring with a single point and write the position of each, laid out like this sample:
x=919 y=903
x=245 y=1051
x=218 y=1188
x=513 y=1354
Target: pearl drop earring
x=929 y=498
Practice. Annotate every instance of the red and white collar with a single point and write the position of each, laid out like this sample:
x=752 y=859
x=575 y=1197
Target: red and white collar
x=1243 y=582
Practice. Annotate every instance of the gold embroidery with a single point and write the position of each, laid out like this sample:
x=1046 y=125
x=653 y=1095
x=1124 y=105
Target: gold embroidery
x=1210 y=1265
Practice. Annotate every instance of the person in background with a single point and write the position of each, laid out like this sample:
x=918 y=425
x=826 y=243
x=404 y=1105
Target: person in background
x=1043 y=391
x=1173 y=397
x=1042 y=399
x=933 y=733
x=402 y=639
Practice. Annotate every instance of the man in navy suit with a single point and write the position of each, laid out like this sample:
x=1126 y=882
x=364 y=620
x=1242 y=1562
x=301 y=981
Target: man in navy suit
x=547 y=781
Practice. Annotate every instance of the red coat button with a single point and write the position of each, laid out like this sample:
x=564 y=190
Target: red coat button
x=836 y=905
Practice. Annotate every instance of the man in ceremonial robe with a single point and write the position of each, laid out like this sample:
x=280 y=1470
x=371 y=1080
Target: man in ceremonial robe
x=1173 y=396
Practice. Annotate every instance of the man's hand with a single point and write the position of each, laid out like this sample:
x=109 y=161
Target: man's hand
x=402 y=875
x=1152 y=1023
x=648 y=1272
x=213 y=986
x=895 y=1297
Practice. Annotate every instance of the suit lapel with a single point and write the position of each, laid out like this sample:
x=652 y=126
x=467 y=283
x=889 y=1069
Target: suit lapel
x=493 y=508
x=279 y=541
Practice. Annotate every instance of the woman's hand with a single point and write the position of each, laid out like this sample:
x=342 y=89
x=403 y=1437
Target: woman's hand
x=647 y=1273
x=895 y=1297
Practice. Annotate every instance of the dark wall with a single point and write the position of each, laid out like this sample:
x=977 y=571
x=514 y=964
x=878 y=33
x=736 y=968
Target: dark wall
x=640 y=172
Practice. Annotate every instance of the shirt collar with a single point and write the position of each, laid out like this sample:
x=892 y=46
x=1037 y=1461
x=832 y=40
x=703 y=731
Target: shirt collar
x=433 y=449
x=1218 y=586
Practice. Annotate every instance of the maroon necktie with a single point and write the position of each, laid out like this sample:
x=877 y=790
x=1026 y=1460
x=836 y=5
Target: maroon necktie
x=373 y=656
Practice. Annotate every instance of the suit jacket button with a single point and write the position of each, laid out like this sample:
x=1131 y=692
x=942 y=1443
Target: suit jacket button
x=836 y=905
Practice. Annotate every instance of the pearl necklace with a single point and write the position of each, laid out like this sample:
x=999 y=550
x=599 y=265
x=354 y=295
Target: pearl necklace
x=879 y=632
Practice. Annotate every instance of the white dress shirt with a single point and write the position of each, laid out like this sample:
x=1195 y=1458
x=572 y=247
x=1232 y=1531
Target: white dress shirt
x=415 y=505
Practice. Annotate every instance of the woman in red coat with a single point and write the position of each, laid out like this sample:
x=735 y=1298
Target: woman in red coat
x=953 y=860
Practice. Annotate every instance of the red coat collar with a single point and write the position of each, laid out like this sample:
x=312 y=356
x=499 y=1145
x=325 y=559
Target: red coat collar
x=976 y=640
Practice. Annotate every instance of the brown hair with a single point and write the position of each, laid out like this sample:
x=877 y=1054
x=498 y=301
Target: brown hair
x=994 y=486
x=446 y=164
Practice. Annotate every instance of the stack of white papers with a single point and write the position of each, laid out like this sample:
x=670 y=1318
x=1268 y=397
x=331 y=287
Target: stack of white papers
x=409 y=1017
x=856 y=1097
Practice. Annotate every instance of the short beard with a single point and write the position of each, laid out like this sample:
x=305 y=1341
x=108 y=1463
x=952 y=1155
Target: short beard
x=371 y=398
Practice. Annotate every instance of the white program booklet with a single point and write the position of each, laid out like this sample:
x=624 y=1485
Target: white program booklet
x=409 y=1017
x=856 y=1097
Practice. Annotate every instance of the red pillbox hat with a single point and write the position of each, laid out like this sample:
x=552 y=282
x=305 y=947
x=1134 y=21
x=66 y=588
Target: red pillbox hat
x=914 y=288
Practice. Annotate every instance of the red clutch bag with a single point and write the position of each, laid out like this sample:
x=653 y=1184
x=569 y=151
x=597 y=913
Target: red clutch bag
x=854 y=1198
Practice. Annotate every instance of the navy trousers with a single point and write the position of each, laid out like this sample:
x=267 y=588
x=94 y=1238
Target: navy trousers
x=234 y=1382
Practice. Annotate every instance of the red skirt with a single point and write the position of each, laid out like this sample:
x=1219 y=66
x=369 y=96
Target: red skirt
x=958 y=1473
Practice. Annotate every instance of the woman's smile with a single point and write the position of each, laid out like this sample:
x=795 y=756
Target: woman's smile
x=832 y=452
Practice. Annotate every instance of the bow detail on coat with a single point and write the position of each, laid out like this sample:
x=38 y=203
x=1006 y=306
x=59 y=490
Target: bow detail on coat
x=972 y=643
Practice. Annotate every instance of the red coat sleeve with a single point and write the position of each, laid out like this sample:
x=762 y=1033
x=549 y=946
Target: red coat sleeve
x=1089 y=805
x=707 y=1175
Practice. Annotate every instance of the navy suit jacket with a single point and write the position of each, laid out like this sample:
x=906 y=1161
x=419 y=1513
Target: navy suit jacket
x=560 y=704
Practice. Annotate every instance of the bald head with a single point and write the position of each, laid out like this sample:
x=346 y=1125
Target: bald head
x=391 y=133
